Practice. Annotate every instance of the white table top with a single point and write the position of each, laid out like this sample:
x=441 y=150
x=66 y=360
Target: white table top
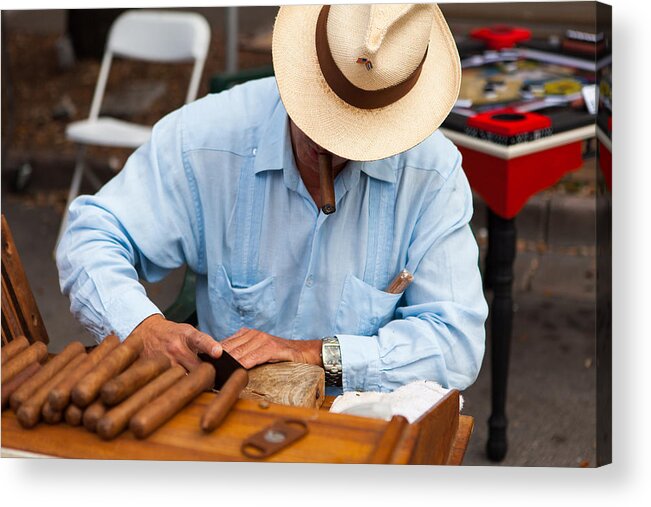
x=520 y=149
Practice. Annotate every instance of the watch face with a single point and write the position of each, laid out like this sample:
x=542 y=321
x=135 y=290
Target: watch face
x=332 y=361
x=330 y=355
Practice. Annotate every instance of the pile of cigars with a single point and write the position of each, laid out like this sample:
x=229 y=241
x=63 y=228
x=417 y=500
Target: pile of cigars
x=109 y=389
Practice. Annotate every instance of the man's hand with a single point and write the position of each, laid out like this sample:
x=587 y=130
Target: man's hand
x=252 y=347
x=180 y=342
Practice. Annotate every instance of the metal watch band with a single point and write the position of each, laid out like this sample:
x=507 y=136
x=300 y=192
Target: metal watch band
x=331 y=354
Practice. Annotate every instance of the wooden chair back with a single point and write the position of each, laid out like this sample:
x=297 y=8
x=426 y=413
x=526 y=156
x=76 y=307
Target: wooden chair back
x=20 y=315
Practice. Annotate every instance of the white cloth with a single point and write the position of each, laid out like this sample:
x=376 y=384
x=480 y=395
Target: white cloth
x=410 y=401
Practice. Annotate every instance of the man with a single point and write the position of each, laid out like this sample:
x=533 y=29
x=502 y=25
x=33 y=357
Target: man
x=229 y=185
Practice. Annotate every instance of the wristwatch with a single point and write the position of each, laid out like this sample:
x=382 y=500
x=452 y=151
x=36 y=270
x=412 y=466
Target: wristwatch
x=331 y=355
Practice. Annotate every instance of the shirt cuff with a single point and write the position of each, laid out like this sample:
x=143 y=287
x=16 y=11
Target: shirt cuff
x=129 y=310
x=360 y=362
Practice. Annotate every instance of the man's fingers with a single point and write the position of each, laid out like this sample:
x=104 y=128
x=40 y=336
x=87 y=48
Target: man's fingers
x=171 y=357
x=188 y=359
x=245 y=346
x=261 y=348
x=252 y=357
x=201 y=342
x=240 y=338
x=240 y=332
x=246 y=349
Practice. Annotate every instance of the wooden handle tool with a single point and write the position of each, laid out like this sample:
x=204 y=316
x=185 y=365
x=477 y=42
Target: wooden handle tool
x=117 y=418
x=10 y=387
x=87 y=389
x=37 y=352
x=327 y=183
x=59 y=397
x=132 y=379
x=93 y=414
x=49 y=370
x=14 y=347
x=159 y=411
x=29 y=412
x=218 y=409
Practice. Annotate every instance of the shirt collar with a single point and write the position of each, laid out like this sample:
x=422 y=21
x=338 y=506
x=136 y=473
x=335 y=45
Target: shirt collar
x=272 y=152
x=271 y=146
x=383 y=169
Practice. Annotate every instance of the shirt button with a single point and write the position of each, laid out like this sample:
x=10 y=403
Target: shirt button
x=310 y=281
x=255 y=150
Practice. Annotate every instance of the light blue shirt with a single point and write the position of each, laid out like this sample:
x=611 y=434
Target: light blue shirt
x=217 y=188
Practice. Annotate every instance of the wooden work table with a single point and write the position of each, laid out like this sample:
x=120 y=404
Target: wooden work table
x=436 y=438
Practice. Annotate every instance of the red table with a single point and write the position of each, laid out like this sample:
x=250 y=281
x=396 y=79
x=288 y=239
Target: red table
x=506 y=177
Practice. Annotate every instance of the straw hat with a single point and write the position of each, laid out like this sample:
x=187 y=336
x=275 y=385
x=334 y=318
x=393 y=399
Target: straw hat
x=366 y=81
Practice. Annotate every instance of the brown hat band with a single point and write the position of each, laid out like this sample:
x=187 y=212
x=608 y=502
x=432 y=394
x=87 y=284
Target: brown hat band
x=347 y=91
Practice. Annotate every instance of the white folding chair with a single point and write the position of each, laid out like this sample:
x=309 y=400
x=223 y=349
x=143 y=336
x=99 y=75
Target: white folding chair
x=147 y=35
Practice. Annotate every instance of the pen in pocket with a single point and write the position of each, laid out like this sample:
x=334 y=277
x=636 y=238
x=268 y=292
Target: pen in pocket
x=400 y=282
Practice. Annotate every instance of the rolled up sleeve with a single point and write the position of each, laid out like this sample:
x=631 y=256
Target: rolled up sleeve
x=142 y=224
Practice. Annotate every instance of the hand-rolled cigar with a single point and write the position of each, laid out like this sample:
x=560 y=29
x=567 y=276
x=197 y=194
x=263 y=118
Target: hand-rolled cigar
x=14 y=347
x=218 y=409
x=35 y=352
x=49 y=370
x=87 y=389
x=160 y=410
x=400 y=282
x=59 y=397
x=133 y=378
x=92 y=414
x=117 y=419
x=10 y=387
x=50 y=415
x=327 y=183
x=73 y=415
x=29 y=411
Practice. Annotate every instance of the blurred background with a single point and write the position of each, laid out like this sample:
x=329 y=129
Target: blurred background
x=50 y=65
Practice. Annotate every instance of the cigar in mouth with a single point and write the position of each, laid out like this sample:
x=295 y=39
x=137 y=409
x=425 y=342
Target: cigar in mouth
x=327 y=183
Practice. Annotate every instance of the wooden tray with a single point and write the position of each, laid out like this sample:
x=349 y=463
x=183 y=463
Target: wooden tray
x=332 y=438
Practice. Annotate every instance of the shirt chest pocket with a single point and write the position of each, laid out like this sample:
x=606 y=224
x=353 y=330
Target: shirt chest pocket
x=364 y=309
x=236 y=307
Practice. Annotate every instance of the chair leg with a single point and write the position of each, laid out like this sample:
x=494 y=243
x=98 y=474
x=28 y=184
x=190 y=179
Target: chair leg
x=93 y=178
x=72 y=193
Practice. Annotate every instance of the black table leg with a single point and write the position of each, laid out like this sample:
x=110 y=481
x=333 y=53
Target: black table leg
x=499 y=273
